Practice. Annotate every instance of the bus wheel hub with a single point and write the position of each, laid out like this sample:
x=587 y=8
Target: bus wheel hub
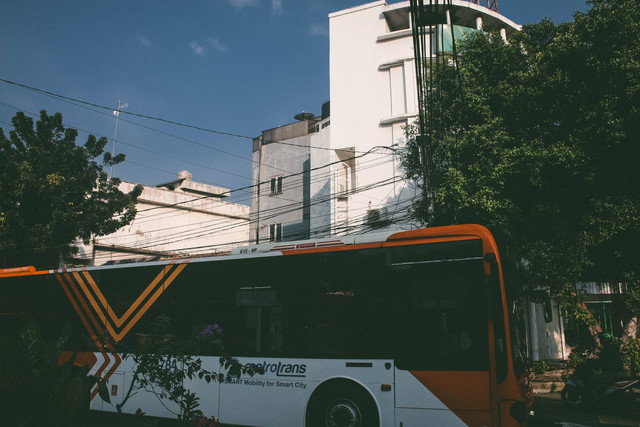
x=343 y=414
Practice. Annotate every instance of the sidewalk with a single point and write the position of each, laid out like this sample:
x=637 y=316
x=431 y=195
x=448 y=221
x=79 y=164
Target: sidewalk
x=551 y=411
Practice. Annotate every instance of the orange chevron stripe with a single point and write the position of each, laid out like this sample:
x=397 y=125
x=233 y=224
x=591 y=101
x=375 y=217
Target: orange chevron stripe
x=87 y=309
x=118 y=321
x=116 y=356
x=92 y=333
x=151 y=300
x=94 y=304
x=84 y=306
x=110 y=315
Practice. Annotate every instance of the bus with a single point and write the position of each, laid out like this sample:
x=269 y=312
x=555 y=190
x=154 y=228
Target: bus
x=401 y=329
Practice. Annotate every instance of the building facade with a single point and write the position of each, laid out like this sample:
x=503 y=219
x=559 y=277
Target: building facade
x=177 y=219
x=340 y=173
x=286 y=202
x=374 y=96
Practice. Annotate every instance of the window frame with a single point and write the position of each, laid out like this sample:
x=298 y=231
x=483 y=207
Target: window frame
x=275 y=232
x=276 y=185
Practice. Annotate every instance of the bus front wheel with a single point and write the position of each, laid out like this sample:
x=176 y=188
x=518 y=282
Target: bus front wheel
x=342 y=404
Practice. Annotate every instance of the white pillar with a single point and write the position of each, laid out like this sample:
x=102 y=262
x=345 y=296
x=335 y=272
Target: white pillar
x=563 y=343
x=503 y=34
x=479 y=23
x=533 y=326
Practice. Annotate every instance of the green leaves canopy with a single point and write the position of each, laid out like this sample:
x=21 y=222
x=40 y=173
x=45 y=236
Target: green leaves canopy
x=54 y=191
x=539 y=139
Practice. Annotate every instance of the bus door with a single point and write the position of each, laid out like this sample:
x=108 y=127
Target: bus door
x=442 y=360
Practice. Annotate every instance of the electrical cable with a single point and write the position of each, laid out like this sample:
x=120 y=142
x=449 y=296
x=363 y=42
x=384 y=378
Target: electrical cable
x=197 y=233
x=146 y=116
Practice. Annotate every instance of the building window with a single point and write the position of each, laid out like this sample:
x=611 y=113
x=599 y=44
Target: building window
x=276 y=185
x=275 y=232
x=397 y=90
x=342 y=180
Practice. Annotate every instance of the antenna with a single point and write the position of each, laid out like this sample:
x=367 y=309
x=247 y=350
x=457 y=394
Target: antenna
x=491 y=4
x=115 y=136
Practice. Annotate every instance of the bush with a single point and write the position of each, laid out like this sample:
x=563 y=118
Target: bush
x=34 y=388
x=540 y=367
x=631 y=350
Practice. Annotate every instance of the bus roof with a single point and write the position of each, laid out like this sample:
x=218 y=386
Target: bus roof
x=282 y=248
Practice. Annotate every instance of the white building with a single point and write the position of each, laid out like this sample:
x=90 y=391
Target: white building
x=180 y=218
x=353 y=181
x=281 y=206
x=373 y=96
x=340 y=173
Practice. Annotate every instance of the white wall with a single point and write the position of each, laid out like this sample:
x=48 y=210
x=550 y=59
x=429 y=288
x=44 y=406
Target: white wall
x=373 y=95
x=546 y=339
x=173 y=223
x=360 y=98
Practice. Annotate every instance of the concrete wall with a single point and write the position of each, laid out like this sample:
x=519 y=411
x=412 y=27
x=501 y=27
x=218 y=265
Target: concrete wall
x=546 y=340
x=290 y=208
x=322 y=178
x=173 y=223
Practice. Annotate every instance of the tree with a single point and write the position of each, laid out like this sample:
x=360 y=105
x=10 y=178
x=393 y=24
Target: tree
x=539 y=139
x=54 y=191
x=163 y=364
x=34 y=386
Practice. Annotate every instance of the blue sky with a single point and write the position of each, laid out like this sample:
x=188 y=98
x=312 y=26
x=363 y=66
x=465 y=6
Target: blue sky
x=235 y=66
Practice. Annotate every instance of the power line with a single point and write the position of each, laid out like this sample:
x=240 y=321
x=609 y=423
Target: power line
x=292 y=208
x=219 y=227
x=69 y=125
x=149 y=117
x=371 y=150
x=191 y=141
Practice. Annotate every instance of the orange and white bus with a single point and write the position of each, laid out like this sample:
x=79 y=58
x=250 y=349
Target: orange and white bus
x=387 y=329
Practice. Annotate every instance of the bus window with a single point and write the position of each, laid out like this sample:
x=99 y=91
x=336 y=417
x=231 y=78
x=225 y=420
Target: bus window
x=440 y=319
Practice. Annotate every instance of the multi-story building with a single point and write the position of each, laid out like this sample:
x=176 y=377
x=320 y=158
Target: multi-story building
x=287 y=203
x=341 y=173
x=179 y=218
x=373 y=96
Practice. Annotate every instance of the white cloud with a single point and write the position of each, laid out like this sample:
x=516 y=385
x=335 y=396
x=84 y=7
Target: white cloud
x=240 y=4
x=197 y=48
x=318 y=30
x=144 y=42
x=216 y=44
x=276 y=7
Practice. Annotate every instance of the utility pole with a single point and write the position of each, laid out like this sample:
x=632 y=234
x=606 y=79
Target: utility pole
x=429 y=19
x=115 y=137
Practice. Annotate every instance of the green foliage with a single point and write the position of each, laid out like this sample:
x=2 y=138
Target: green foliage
x=538 y=139
x=631 y=350
x=33 y=386
x=540 y=367
x=54 y=191
x=164 y=364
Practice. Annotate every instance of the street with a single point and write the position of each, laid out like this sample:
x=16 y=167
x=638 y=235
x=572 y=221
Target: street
x=551 y=411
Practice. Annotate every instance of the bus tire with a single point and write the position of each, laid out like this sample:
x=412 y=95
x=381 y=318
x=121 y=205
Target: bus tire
x=341 y=403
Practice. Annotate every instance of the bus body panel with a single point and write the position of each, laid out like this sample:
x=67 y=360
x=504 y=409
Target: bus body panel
x=414 y=417
x=421 y=393
x=453 y=390
x=262 y=393
x=118 y=384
